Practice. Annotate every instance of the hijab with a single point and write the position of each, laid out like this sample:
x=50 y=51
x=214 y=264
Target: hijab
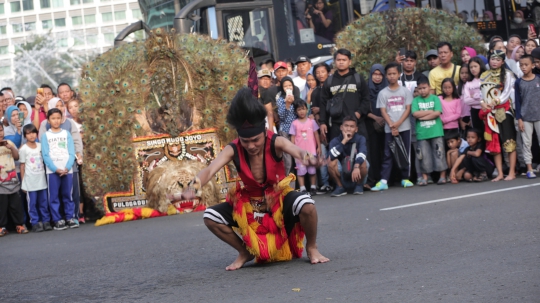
x=52 y=104
x=374 y=88
x=28 y=119
x=513 y=56
x=471 y=51
x=281 y=89
x=10 y=132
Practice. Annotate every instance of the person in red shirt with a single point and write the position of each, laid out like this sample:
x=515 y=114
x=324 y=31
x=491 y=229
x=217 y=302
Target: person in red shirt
x=270 y=217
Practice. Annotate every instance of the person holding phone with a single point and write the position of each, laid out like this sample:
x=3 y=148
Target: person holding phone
x=25 y=112
x=13 y=131
x=320 y=20
x=44 y=94
x=409 y=75
x=287 y=114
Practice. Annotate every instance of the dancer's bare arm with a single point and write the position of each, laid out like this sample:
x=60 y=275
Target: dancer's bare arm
x=224 y=157
x=284 y=145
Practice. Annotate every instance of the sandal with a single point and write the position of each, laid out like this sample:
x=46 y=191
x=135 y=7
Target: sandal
x=481 y=178
x=454 y=181
x=421 y=182
x=442 y=181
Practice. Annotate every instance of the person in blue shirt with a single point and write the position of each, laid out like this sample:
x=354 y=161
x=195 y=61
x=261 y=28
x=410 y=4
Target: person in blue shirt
x=341 y=147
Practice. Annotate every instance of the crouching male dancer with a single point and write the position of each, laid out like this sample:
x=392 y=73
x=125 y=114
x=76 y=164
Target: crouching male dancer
x=266 y=213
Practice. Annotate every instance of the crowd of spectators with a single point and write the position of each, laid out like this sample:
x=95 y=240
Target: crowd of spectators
x=409 y=127
x=41 y=150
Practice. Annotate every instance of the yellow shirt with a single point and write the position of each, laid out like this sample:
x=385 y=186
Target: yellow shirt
x=438 y=74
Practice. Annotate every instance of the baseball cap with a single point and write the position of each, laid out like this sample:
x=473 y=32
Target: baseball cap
x=431 y=52
x=280 y=64
x=536 y=53
x=19 y=98
x=302 y=59
x=264 y=73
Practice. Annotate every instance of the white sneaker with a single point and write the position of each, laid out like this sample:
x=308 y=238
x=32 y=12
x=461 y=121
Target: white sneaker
x=324 y=190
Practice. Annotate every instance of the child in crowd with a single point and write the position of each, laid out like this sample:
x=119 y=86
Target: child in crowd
x=59 y=155
x=497 y=86
x=9 y=187
x=71 y=127
x=456 y=146
x=304 y=134
x=426 y=108
x=472 y=165
x=471 y=94
x=414 y=145
x=312 y=84
x=34 y=182
x=465 y=119
x=527 y=90
x=451 y=106
x=395 y=104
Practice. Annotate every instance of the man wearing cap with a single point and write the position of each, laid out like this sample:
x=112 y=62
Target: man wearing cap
x=269 y=97
x=433 y=61
x=269 y=218
x=265 y=82
x=446 y=69
x=303 y=65
x=265 y=78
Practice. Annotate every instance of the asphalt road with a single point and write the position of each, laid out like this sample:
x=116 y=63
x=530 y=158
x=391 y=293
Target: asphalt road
x=482 y=248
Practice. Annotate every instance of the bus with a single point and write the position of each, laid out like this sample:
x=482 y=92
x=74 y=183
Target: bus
x=282 y=29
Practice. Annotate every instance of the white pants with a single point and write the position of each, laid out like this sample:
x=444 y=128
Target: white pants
x=527 y=137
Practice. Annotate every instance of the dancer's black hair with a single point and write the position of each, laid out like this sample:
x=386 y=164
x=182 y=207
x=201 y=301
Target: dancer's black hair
x=245 y=108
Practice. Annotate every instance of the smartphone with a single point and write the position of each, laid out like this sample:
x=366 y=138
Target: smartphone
x=40 y=91
x=21 y=116
x=531 y=28
x=288 y=92
x=402 y=51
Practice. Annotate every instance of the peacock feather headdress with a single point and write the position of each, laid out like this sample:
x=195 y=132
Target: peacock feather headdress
x=167 y=84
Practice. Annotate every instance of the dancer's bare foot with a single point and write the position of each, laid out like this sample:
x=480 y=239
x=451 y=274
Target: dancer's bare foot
x=315 y=256
x=510 y=177
x=499 y=178
x=240 y=261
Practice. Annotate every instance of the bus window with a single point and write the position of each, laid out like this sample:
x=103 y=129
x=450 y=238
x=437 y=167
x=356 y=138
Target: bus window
x=317 y=21
x=159 y=13
x=363 y=7
x=249 y=29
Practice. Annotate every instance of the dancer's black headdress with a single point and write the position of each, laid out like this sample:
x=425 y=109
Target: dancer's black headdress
x=246 y=114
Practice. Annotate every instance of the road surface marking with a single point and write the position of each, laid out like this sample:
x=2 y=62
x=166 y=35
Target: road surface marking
x=461 y=197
